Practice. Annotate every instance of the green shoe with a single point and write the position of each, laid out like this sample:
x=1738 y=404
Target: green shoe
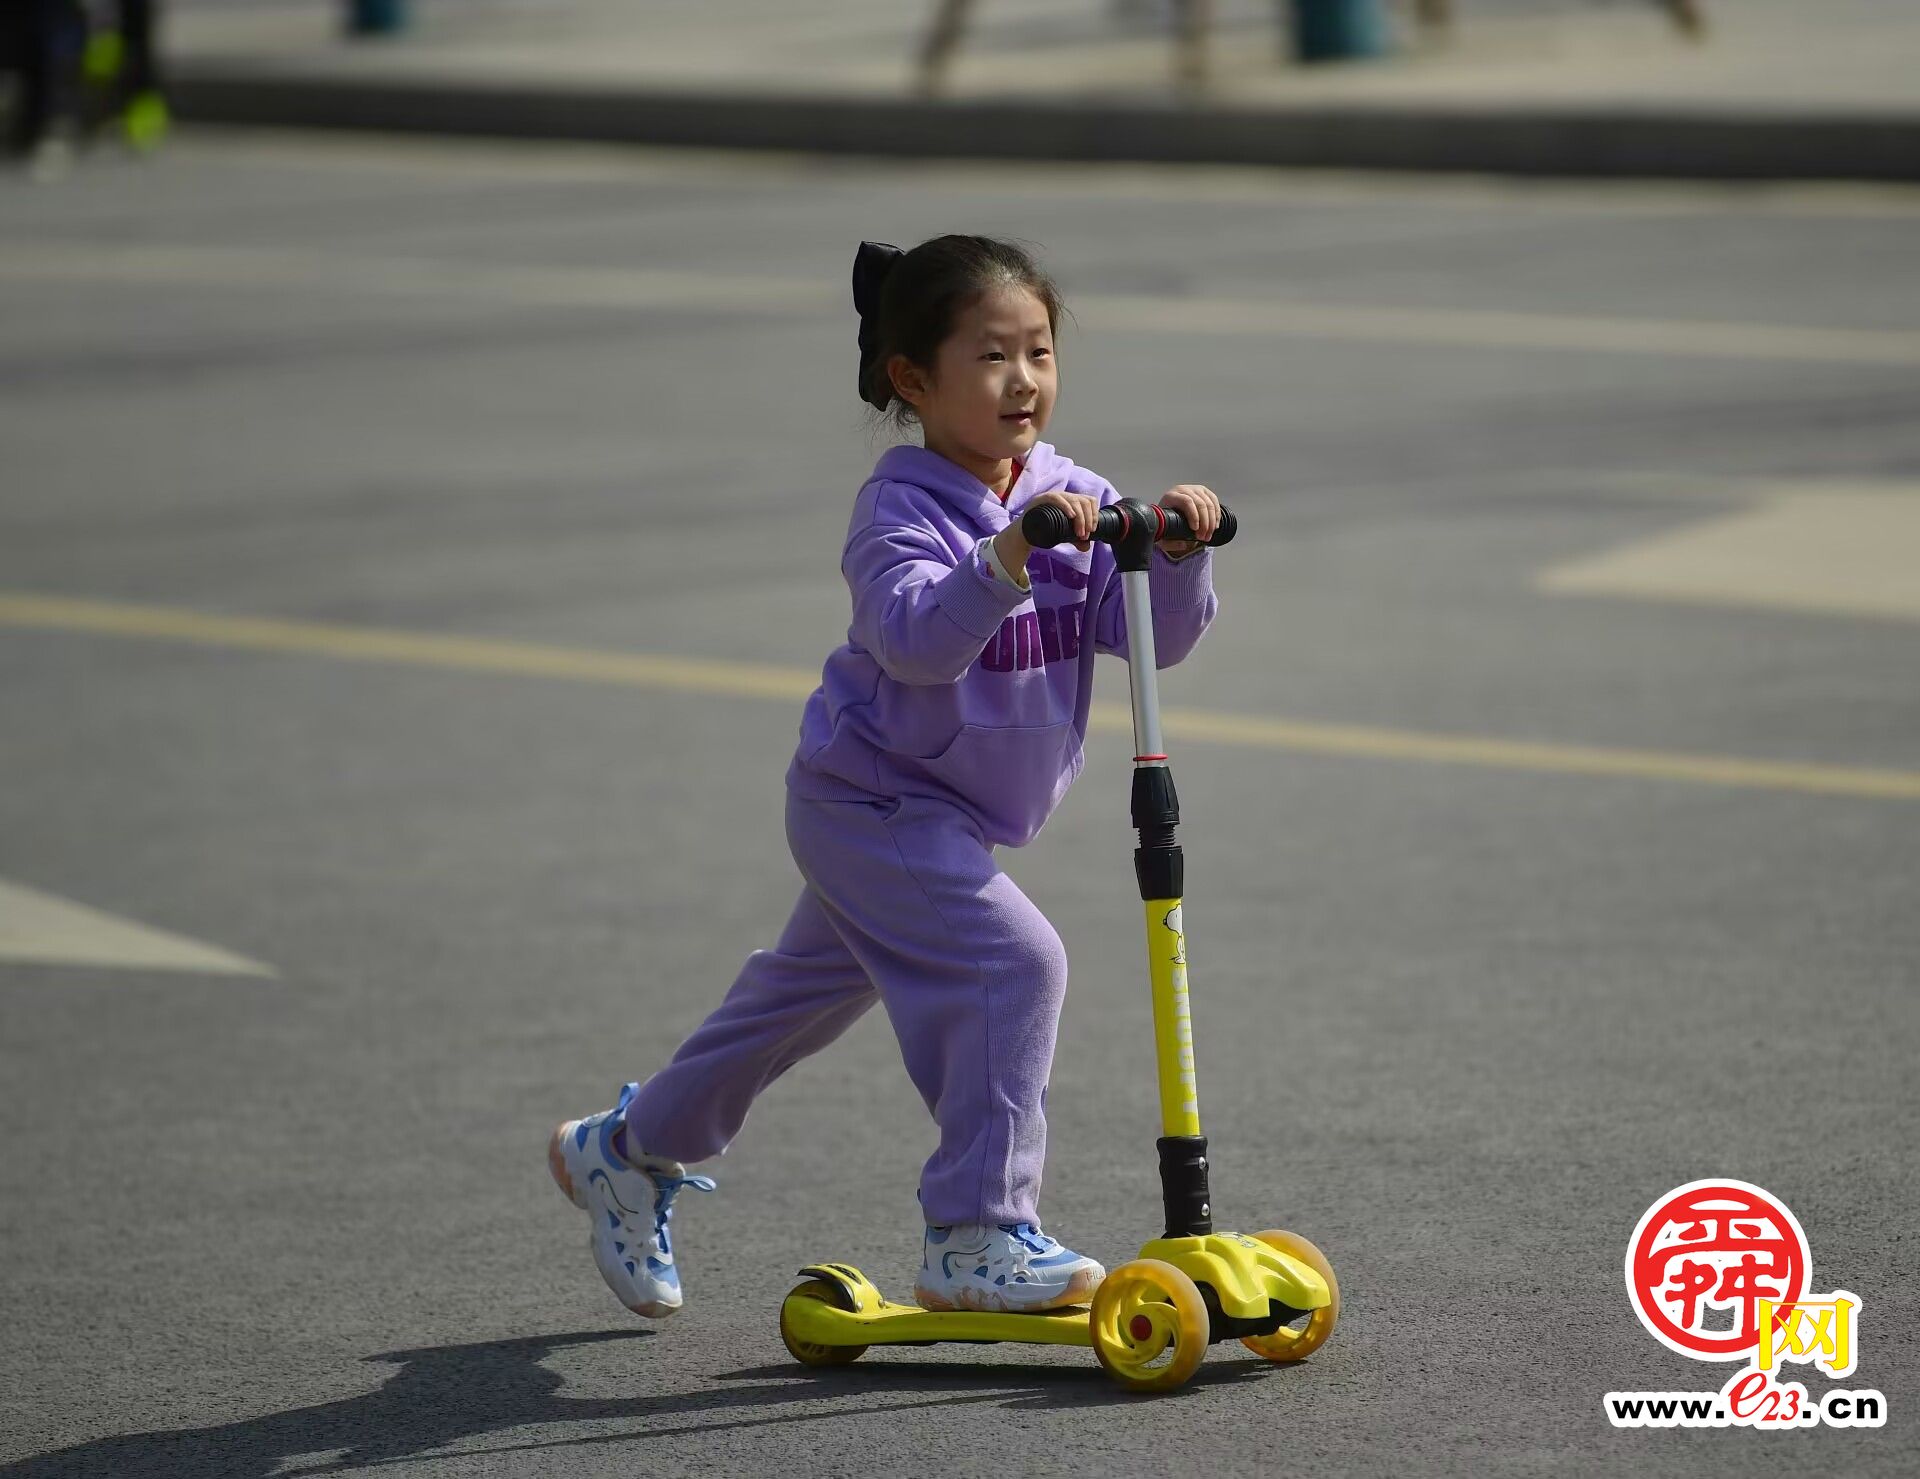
x=146 y=121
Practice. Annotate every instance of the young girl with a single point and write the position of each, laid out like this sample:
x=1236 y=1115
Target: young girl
x=950 y=722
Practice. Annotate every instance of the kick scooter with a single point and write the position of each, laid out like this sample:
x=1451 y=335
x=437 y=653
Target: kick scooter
x=1152 y=1319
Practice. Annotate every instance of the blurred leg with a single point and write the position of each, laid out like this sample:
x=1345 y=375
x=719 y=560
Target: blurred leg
x=141 y=69
x=1689 y=15
x=1195 y=18
x=937 y=51
x=51 y=34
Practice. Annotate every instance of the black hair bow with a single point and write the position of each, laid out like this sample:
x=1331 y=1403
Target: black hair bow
x=871 y=264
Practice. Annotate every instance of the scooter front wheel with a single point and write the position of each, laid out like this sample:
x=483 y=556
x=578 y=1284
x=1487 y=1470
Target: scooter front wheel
x=812 y=1353
x=1286 y=1343
x=1149 y=1326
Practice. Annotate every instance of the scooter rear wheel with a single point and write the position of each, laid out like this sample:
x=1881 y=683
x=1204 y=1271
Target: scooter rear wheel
x=1286 y=1343
x=811 y=1353
x=1149 y=1326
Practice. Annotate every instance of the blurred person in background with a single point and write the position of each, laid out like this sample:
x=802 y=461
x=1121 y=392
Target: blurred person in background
x=41 y=44
x=75 y=76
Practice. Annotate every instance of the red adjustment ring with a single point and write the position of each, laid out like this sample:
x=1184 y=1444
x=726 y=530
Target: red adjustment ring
x=1138 y=758
x=1160 y=518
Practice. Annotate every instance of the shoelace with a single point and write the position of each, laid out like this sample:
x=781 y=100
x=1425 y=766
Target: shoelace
x=665 y=1189
x=1030 y=1235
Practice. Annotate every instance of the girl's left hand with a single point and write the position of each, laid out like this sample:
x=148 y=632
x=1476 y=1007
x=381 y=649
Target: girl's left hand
x=1200 y=508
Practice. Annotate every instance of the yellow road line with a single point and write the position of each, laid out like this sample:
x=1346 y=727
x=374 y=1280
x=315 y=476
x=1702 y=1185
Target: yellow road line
x=415 y=649
x=751 y=680
x=652 y=289
x=1500 y=754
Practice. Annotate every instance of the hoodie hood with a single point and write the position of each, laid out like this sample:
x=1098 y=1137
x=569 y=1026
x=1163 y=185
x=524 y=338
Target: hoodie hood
x=1044 y=471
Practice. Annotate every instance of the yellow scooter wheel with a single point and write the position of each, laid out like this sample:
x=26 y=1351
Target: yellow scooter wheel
x=1149 y=1326
x=1287 y=1344
x=810 y=1353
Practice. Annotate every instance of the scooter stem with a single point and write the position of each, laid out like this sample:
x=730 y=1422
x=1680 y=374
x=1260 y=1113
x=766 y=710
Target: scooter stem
x=1159 y=867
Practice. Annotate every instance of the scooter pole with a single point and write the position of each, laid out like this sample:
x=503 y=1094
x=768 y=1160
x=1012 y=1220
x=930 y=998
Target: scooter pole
x=1132 y=528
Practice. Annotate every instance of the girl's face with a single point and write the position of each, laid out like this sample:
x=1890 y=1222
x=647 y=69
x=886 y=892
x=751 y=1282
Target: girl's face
x=993 y=384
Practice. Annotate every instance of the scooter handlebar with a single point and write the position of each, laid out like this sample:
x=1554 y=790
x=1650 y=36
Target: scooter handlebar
x=1049 y=524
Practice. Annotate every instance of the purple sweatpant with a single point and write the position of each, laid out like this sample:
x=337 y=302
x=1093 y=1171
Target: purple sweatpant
x=904 y=902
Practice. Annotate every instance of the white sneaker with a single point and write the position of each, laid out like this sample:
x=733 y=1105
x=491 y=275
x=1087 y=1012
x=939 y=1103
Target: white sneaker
x=1012 y=1267
x=52 y=158
x=629 y=1203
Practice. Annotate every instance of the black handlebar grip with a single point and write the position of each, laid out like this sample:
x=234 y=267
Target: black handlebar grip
x=1176 y=527
x=1050 y=524
x=1046 y=526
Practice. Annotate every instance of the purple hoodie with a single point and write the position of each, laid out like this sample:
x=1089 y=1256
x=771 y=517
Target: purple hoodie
x=953 y=684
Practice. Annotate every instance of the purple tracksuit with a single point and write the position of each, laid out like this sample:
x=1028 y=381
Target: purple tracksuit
x=951 y=721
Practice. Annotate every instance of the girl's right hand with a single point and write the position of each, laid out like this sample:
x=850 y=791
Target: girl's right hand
x=1082 y=508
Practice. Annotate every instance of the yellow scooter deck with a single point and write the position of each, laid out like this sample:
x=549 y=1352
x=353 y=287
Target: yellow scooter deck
x=908 y=1324
x=859 y=1314
x=1246 y=1275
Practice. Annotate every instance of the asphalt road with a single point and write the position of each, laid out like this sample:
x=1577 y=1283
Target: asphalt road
x=1551 y=782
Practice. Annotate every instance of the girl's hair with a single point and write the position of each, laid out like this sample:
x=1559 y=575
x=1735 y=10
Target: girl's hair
x=908 y=302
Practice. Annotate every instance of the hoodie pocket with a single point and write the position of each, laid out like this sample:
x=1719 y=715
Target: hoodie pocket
x=1013 y=777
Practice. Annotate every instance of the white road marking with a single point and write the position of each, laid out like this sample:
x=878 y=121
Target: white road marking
x=1497 y=329
x=1840 y=549
x=416 y=277
x=48 y=930
x=614 y=289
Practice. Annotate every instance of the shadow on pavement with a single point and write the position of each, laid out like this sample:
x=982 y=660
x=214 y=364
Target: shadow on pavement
x=443 y=1395
x=440 y=1395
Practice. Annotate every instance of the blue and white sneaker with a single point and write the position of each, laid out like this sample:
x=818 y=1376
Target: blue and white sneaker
x=1011 y=1267
x=629 y=1202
